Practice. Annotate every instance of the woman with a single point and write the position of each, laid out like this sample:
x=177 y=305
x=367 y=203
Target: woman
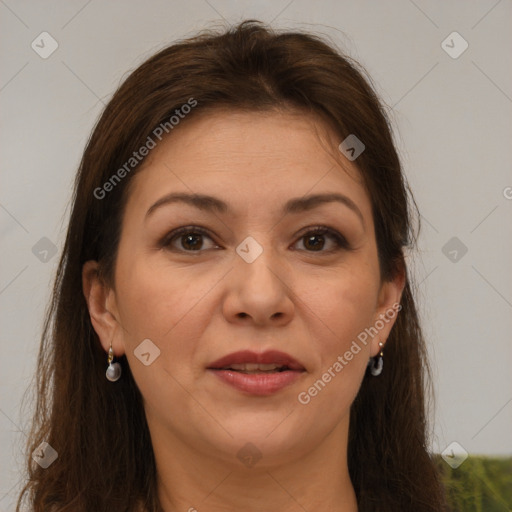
x=232 y=324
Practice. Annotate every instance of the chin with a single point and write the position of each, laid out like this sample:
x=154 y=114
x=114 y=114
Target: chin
x=269 y=439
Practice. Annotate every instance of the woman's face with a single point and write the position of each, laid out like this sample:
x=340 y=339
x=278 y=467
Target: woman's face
x=248 y=275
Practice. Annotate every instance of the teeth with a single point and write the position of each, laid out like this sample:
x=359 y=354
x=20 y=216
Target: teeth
x=251 y=367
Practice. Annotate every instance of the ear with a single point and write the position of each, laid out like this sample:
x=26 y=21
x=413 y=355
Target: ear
x=102 y=308
x=388 y=307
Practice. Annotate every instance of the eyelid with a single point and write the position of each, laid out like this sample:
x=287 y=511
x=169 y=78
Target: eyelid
x=166 y=240
x=340 y=241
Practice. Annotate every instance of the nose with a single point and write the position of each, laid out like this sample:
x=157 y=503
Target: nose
x=259 y=293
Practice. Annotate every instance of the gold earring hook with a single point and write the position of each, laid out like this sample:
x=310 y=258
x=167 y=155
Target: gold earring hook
x=110 y=354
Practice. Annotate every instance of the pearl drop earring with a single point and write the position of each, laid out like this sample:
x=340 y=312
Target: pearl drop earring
x=376 y=368
x=114 y=369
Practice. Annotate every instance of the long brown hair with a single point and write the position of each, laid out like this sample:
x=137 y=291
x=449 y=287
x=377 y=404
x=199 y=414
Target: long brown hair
x=98 y=428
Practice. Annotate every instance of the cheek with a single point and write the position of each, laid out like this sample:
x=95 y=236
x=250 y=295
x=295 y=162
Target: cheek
x=343 y=304
x=147 y=302
x=164 y=306
x=154 y=298
x=168 y=306
x=343 y=308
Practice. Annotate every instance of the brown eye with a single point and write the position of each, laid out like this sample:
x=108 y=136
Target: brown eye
x=316 y=239
x=314 y=242
x=192 y=241
x=187 y=239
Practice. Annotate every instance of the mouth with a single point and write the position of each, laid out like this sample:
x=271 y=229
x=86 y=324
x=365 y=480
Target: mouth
x=258 y=374
x=249 y=362
x=254 y=368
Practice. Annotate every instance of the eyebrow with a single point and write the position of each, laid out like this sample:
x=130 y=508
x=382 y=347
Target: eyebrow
x=214 y=204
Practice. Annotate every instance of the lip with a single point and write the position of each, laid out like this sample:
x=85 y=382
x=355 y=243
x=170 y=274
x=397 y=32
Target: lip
x=258 y=384
x=267 y=357
x=263 y=384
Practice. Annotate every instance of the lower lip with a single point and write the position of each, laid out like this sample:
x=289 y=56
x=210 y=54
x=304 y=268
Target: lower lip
x=262 y=384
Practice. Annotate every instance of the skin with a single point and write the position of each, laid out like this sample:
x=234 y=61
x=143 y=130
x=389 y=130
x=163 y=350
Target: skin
x=197 y=306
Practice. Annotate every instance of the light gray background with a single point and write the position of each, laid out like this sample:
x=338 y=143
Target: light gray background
x=454 y=129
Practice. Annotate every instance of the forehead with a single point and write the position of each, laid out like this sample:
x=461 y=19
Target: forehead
x=249 y=159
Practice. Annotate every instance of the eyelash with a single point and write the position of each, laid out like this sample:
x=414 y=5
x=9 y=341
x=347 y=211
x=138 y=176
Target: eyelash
x=340 y=240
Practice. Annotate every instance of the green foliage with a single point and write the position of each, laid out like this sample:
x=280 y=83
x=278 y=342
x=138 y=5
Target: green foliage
x=479 y=484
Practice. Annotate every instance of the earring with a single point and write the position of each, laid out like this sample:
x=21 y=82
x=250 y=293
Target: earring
x=376 y=367
x=114 y=369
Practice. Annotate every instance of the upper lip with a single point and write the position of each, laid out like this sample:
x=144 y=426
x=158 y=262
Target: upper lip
x=267 y=357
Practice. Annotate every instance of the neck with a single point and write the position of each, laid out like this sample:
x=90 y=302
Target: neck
x=196 y=481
